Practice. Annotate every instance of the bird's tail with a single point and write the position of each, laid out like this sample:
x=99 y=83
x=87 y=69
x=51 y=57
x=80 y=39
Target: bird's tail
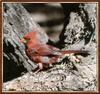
x=75 y=52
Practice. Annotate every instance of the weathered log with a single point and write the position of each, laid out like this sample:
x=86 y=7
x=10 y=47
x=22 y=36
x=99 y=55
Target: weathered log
x=80 y=25
x=66 y=75
x=17 y=22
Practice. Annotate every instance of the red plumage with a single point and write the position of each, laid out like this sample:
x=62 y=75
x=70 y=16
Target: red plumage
x=42 y=53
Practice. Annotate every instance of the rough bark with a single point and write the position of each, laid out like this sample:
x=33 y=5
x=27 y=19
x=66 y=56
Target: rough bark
x=79 y=33
x=80 y=25
x=17 y=22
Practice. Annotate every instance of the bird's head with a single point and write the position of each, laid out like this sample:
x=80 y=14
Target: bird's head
x=29 y=36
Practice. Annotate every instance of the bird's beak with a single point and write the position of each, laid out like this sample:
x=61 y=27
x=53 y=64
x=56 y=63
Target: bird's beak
x=23 y=40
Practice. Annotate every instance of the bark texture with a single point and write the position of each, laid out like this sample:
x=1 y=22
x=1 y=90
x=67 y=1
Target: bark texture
x=17 y=22
x=79 y=33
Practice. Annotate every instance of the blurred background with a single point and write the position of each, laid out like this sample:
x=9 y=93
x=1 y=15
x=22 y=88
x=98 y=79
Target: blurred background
x=49 y=16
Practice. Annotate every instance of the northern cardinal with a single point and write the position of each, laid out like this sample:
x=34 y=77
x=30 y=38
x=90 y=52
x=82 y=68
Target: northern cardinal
x=42 y=53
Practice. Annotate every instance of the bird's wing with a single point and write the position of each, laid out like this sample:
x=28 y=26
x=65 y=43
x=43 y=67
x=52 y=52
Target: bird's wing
x=46 y=50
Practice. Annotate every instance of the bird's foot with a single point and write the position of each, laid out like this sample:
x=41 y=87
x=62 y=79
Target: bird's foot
x=34 y=73
x=50 y=65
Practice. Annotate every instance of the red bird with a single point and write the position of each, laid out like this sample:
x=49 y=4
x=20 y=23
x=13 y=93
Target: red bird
x=42 y=53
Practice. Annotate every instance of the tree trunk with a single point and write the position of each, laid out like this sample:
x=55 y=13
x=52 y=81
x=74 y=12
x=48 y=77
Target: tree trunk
x=79 y=32
x=80 y=25
x=17 y=22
